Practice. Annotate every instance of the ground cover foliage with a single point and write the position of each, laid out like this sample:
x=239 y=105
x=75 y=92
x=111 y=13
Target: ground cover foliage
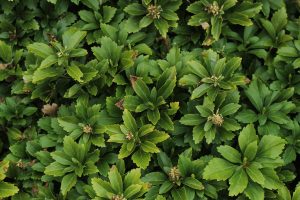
x=149 y=99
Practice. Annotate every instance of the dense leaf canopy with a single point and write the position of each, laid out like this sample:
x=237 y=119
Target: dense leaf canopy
x=150 y=99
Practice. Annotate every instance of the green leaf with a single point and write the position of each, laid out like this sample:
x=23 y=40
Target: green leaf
x=269 y=27
x=169 y=15
x=284 y=193
x=7 y=189
x=132 y=25
x=143 y=49
x=179 y=194
x=115 y=179
x=5 y=52
x=87 y=16
x=67 y=183
x=52 y=1
x=29 y=111
x=230 y=154
x=135 y=9
x=288 y=52
x=166 y=187
x=146 y=129
x=246 y=116
x=141 y=159
x=193 y=183
x=200 y=91
x=145 y=21
x=191 y=119
x=198 y=134
x=55 y=169
x=155 y=178
x=210 y=135
x=229 y=4
x=248 y=8
x=149 y=147
x=141 y=89
x=166 y=122
x=197 y=19
x=102 y=188
x=3 y=168
x=216 y=27
x=253 y=93
x=91 y=4
x=270 y=146
x=250 y=151
x=108 y=13
x=129 y=121
x=239 y=18
x=127 y=59
x=41 y=74
x=279 y=19
x=75 y=72
x=296 y=194
x=70 y=146
x=198 y=69
x=132 y=190
x=247 y=135
x=109 y=50
x=232 y=65
x=218 y=169
x=131 y=102
x=61 y=158
x=132 y=177
x=238 y=182
x=153 y=116
x=156 y=136
x=72 y=38
x=40 y=49
x=162 y=26
x=229 y=109
x=78 y=52
x=166 y=83
x=195 y=7
x=254 y=191
x=69 y=124
x=49 y=61
x=255 y=174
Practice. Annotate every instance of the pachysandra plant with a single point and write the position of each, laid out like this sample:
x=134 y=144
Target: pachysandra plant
x=292 y=137
x=251 y=42
x=212 y=74
x=9 y=61
x=120 y=186
x=139 y=142
x=181 y=181
x=271 y=107
x=284 y=193
x=213 y=120
x=250 y=169
x=112 y=58
x=146 y=99
x=85 y=122
x=92 y=20
x=151 y=102
x=275 y=28
x=211 y=14
x=162 y=13
x=6 y=189
x=13 y=110
x=290 y=54
x=286 y=77
x=56 y=58
x=73 y=161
